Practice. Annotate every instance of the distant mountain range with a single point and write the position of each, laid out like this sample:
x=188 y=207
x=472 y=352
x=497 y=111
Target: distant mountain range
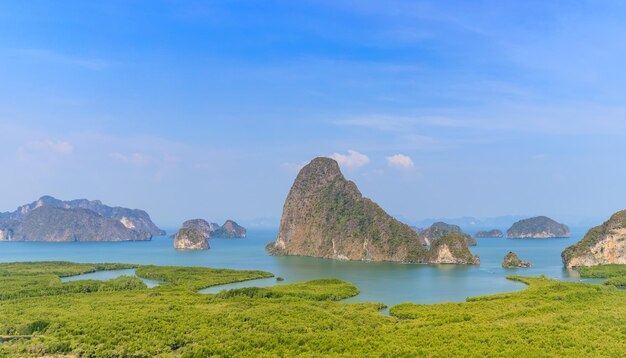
x=51 y=219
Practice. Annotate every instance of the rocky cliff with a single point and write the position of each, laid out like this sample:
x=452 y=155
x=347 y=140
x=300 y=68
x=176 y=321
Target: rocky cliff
x=441 y=229
x=76 y=215
x=511 y=260
x=201 y=225
x=189 y=238
x=540 y=227
x=452 y=249
x=326 y=216
x=490 y=233
x=230 y=230
x=603 y=244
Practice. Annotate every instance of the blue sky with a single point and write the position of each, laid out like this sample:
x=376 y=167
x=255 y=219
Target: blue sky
x=208 y=108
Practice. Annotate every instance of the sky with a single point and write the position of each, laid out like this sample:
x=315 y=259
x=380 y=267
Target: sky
x=209 y=108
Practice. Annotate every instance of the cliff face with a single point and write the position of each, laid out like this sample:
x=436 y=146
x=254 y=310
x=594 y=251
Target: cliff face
x=540 y=227
x=603 y=244
x=452 y=249
x=58 y=224
x=201 y=225
x=441 y=229
x=191 y=239
x=326 y=216
x=490 y=233
x=75 y=215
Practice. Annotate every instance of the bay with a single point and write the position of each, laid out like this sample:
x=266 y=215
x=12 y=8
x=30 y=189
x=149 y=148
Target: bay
x=390 y=283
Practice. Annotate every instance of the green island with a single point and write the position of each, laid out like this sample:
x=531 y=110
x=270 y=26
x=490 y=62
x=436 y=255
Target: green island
x=124 y=318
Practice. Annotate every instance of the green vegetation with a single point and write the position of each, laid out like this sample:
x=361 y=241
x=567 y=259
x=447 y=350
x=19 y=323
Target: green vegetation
x=324 y=289
x=58 y=268
x=615 y=274
x=602 y=271
x=549 y=319
x=196 y=278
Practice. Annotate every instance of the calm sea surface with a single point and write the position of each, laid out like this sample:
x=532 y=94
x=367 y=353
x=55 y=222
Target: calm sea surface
x=379 y=282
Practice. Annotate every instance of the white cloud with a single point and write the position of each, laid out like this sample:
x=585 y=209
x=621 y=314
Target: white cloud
x=133 y=158
x=353 y=159
x=400 y=161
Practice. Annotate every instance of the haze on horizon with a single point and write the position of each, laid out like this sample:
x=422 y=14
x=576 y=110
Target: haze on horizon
x=434 y=108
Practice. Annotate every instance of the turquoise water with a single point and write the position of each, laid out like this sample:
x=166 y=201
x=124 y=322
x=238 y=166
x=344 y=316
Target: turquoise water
x=389 y=283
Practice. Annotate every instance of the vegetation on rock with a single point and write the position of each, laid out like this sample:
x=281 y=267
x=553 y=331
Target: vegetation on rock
x=602 y=245
x=441 y=229
x=452 y=249
x=325 y=215
x=512 y=261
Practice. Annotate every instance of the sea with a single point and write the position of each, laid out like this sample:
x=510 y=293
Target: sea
x=389 y=283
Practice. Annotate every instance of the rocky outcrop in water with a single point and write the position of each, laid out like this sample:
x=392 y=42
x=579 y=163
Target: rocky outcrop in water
x=230 y=230
x=602 y=245
x=512 y=261
x=441 y=229
x=489 y=234
x=326 y=216
x=201 y=225
x=540 y=227
x=189 y=238
x=50 y=219
x=452 y=249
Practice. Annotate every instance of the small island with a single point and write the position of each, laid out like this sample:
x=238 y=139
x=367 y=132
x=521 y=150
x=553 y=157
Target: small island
x=512 y=261
x=441 y=229
x=189 y=238
x=495 y=233
x=539 y=227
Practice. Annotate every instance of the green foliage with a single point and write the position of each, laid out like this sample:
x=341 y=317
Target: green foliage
x=602 y=271
x=548 y=319
x=325 y=289
x=196 y=278
x=615 y=274
x=619 y=281
x=57 y=268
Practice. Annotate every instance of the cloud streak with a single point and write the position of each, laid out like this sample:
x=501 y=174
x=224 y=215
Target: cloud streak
x=351 y=160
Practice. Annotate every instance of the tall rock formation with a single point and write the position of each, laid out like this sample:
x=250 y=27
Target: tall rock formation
x=326 y=216
x=602 y=245
x=539 y=227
